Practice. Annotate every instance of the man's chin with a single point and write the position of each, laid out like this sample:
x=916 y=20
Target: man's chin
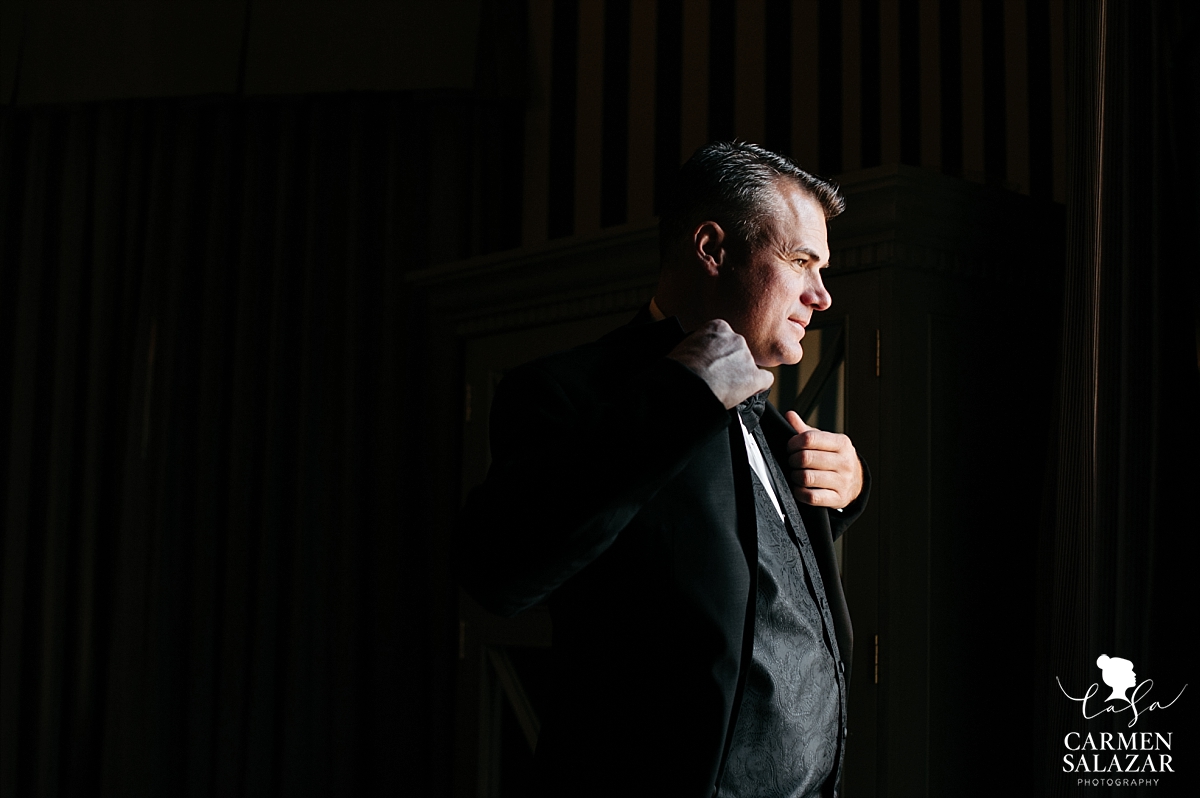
x=781 y=358
x=793 y=357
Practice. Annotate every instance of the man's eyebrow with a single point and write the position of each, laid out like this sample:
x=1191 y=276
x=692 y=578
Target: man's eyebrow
x=805 y=251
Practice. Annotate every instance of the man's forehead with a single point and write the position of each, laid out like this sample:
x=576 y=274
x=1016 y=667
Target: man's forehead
x=799 y=223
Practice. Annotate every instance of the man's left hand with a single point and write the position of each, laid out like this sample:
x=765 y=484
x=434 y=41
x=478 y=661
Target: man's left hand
x=824 y=468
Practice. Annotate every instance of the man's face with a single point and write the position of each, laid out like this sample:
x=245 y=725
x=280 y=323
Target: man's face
x=770 y=294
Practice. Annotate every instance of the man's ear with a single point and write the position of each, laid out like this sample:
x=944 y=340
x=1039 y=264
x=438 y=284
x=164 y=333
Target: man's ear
x=710 y=249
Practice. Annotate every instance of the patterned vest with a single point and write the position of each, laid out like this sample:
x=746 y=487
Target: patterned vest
x=785 y=743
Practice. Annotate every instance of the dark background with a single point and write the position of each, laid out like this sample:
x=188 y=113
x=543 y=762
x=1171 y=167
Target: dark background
x=218 y=491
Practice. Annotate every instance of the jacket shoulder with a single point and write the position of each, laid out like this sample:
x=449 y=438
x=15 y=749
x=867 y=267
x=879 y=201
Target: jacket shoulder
x=599 y=367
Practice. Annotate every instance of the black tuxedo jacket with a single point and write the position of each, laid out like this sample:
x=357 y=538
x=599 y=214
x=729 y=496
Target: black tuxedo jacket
x=619 y=492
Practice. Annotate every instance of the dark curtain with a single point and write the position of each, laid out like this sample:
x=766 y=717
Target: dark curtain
x=217 y=575
x=1120 y=552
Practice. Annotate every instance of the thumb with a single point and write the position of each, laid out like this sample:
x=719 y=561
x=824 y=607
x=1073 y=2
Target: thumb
x=797 y=423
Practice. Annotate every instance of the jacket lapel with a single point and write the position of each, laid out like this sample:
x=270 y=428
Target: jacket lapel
x=816 y=522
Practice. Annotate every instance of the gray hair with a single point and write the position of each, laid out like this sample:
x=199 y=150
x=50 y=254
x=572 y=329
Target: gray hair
x=732 y=183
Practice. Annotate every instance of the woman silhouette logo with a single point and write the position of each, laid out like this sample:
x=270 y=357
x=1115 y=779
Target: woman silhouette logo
x=1117 y=674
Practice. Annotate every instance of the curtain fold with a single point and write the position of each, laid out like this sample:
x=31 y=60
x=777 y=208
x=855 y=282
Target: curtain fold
x=216 y=577
x=1121 y=551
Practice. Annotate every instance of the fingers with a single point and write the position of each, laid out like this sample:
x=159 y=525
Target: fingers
x=834 y=478
x=797 y=423
x=824 y=467
x=807 y=437
x=718 y=326
x=822 y=488
x=818 y=459
x=765 y=380
x=721 y=357
x=818 y=439
x=820 y=498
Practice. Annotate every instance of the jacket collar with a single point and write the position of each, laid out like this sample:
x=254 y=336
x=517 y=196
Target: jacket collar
x=643 y=332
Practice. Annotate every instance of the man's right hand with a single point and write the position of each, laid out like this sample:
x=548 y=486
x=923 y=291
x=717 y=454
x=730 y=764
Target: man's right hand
x=721 y=358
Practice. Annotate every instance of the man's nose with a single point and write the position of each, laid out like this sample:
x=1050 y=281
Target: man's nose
x=815 y=296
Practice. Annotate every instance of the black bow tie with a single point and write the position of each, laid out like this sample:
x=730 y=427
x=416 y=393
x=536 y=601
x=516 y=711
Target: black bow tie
x=752 y=409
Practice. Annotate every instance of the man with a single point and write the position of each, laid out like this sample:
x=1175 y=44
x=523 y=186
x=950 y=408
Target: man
x=681 y=529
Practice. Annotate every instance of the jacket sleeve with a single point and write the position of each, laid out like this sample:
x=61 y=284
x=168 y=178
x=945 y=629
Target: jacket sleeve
x=568 y=475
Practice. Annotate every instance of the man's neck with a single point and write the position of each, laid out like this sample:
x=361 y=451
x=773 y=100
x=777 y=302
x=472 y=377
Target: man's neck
x=655 y=312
